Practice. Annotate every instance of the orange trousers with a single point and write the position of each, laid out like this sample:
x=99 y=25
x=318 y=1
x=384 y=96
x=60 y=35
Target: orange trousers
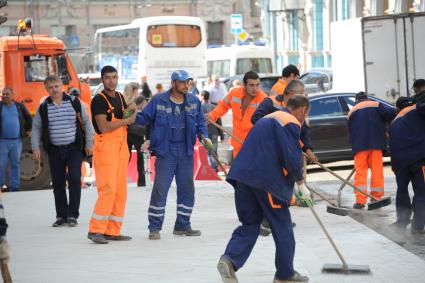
x=110 y=159
x=363 y=160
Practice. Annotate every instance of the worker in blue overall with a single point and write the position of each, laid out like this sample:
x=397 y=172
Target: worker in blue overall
x=407 y=143
x=263 y=175
x=176 y=119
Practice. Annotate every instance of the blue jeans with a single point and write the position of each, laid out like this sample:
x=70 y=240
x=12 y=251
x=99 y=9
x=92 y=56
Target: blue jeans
x=65 y=166
x=10 y=150
x=252 y=205
x=178 y=164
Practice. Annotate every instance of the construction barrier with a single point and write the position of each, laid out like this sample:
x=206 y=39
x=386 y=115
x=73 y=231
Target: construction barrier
x=201 y=169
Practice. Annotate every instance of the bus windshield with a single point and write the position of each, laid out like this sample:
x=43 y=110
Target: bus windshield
x=120 y=48
x=258 y=65
x=173 y=35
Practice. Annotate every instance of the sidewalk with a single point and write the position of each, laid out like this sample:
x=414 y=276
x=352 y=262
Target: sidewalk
x=41 y=253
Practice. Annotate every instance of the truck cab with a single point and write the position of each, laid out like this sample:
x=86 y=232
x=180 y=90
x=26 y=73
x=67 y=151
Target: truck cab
x=25 y=61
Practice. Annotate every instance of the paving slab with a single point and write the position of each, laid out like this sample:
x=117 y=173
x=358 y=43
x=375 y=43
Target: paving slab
x=41 y=253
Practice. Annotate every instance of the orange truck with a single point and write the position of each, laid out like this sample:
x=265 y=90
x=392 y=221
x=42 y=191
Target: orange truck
x=25 y=61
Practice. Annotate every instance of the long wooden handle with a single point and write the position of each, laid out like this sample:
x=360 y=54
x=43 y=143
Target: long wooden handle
x=226 y=131
x=5 y=273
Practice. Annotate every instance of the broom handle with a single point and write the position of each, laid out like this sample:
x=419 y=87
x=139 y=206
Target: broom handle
x=344 y=263
x=342 y=179
x=5 y=273
x=319 y=194
x=226 y=131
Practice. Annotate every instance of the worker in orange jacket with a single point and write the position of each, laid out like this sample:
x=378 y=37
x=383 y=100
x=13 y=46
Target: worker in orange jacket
x=243 y=101
x=110 y=159
x=289 y=73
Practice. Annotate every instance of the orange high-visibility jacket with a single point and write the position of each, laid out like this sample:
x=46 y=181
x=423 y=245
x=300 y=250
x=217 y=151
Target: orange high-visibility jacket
x=278 y=88
x=241 y=123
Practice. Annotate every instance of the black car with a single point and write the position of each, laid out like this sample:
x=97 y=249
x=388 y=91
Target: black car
x=328 y=125
x=317 y=80
x=267 y=81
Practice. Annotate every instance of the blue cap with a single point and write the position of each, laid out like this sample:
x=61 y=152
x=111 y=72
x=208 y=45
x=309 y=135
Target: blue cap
x=180 y=75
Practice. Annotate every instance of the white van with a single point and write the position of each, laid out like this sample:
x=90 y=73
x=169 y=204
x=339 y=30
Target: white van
x=239 y=59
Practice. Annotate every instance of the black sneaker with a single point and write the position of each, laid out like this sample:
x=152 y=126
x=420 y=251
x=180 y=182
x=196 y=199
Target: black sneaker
x=186 y=232
x=98 y=238
x=227 y=270
x=59 y=222
x=72 y=222
x=294 y=278
x=358 y=206
x=117 y=238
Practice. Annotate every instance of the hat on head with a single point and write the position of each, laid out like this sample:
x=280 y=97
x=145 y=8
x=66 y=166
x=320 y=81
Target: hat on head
x=403 y=102
x=180 y=75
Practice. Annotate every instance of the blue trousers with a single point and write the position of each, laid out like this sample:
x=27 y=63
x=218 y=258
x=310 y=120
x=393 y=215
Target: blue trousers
x=252 y=205
x=177 y=163
x=414 y=173
x=65 y=166
x=10 y=150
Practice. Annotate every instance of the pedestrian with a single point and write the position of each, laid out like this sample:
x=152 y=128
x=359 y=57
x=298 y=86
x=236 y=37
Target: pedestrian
x=289 y=73
x=419 y=91
x=15 y=125
x=110 y=160
x=131 y=91
x=217 y=89
x=243 y=101
x=264 y=174
x=175 y=119
x=159 y=89
x=193 y=89
x=63 y=126
x=366 y=127
x=135 y=138
x=407 y=144
x=213 y=131
x=146 y=91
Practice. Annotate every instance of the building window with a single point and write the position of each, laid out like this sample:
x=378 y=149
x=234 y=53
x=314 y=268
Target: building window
x=293 y=30
x=342 y=9
x=215 y=33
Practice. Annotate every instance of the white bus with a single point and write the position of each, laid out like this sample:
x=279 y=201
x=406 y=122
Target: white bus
x=153 y=47
x=237 y=60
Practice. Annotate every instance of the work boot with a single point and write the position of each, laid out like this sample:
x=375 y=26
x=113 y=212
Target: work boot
x=358 y=206
x=227 y=270
x=98 y=238
x=117 y=238
x=72 y=222
x=295 y=278
x=417 y=232
x=401 y=227
x=186 y=232
x=265 y=228
x=59 y=222
x=154 y=235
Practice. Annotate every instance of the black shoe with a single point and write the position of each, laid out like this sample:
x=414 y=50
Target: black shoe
x=117 y=238
x=72 y=221
x=417 y=232
x=154 y=235
x=186 y=232
x=358 y=206
x=398 y=226
x=98 y=238
x=59 y=222
x=227 y=270
x=294 y=278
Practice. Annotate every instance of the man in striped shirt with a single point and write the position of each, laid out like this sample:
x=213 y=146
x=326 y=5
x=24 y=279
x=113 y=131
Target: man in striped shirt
x=66 y=133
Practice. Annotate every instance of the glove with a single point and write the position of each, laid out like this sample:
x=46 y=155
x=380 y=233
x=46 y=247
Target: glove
x=4 y=248
x=207 y=143
x=303 y=194
x=128 y=113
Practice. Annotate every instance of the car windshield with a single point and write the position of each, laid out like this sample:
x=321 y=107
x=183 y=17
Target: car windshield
x=324 y=107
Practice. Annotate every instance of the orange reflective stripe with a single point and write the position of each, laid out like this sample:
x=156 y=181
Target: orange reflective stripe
x=404 y=111
x=423 y=172
x=277 y=104
x=362 y=105
x=272 y=202
x=284 y=118
x=285 y=171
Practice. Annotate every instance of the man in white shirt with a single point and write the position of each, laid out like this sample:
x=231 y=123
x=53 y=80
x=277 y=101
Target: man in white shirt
x=216 y=89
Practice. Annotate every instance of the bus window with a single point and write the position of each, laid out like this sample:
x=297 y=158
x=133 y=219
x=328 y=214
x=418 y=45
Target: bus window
x=37 y=67
x=258 y=65
x=174 y=35
x=219 y=67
